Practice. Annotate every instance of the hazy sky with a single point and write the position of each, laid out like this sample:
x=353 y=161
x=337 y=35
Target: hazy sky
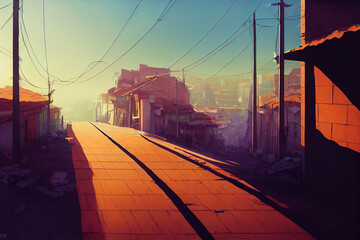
x=79 y=32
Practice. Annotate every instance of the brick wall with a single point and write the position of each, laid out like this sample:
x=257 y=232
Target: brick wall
x=336 y=117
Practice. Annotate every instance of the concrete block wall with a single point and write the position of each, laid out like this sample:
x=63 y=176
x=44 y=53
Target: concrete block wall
x=336 y=117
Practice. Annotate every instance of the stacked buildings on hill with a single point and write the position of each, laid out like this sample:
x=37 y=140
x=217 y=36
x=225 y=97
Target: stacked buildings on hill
x=151 y=100
x=229 y=103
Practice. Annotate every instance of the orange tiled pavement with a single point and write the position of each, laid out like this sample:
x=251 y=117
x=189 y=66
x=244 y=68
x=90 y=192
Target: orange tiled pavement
x=226 y=211
x=118 y=200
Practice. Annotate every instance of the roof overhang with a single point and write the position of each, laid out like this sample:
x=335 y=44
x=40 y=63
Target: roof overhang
x=338 y=57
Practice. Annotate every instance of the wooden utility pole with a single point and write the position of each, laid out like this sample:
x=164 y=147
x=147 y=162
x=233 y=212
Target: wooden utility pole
x=130 y=117
x=254 y=105
x=281 y=129
x=177 y=112
x=16 y=103
x=48 y=108
x=183 y=76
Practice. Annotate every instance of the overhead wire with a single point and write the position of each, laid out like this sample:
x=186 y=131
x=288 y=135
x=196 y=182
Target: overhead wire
x=25 y=36
x=7 y=5
x=30 y=57
x=112 y=44
x=162 y=15
x=6 y=49
x=45 y=47
x=231 y=60
x=224 y=43
x=203 y=37
x=87 y=69
x=7 y=53
x=165 y=12
x=216 y=50
x=6 y=22
x=234 y=75
x=22 y=76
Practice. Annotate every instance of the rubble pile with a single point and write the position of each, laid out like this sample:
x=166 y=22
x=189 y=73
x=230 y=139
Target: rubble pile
x=14 y=176
x=286 y=164
x=286 y=169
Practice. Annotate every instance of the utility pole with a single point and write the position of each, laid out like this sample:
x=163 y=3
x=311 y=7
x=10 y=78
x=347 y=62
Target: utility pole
x=48 y=125
x=16 y=103
x=254 y=105
x=130 y=118
x=183 y=76
x=48 y=112
x=177 y=112
x=281 y=129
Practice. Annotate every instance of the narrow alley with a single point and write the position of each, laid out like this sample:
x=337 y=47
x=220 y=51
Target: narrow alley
x=129 y=188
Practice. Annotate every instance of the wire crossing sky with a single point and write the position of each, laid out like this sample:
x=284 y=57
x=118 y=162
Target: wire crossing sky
x=95 y=39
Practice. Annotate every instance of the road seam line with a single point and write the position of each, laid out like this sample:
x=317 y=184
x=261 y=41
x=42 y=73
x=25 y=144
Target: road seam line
x=190 y=217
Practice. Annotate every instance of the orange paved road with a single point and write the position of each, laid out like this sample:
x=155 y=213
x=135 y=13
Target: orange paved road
x=227 y=211
x=118 y=200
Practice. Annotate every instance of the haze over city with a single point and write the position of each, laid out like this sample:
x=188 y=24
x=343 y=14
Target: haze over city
x=79 y=33
x=179 y=119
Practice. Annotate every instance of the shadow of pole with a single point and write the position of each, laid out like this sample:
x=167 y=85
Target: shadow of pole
x=92 y=227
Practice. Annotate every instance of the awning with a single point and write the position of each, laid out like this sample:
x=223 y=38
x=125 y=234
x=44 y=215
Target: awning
x=338 y=57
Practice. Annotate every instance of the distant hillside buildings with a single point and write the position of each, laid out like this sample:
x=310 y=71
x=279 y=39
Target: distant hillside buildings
x=151 y=100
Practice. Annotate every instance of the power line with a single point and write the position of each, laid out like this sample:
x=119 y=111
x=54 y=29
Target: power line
x=201 y=39
x=224 y=43
x=224 y=66
x=45 y=47
x=6 y=49
x=261 y=25
x=165 y=12
x=7 y=53
x=6 y=6
x=24 y=78
x=30 y=57
x=6 y=22
x=47 y=68
x=23 y=31
x=237 y=55
x=111 y=45
x=162 y=15
x=233 y=75
x=214 y=51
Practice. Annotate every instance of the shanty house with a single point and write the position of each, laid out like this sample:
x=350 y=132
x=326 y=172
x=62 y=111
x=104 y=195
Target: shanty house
x=33 y=117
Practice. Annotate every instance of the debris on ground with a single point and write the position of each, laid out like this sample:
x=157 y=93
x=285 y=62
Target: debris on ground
x=52 y=193
x=12 y=173
x=19 y=209
x=25 y=182
x=259 y=152
x=58 y=178
x=284 y=164
x=58 y=183
x=65 y=188
x=271 y=158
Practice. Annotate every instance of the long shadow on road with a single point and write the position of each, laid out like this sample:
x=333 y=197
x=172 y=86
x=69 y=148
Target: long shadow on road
x=90 y=221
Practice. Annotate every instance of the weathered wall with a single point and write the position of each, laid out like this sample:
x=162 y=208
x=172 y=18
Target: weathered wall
x=336 y=117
